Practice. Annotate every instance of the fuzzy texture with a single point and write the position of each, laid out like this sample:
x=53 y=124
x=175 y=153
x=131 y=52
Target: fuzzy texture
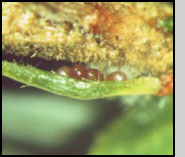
x=107 y=33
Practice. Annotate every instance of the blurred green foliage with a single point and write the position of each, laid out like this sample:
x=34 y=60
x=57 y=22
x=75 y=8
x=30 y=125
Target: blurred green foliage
x=145 y=129
x=43 y=120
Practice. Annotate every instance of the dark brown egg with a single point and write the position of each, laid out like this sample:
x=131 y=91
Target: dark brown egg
x=66 y=71
x=94 y=74
x=79 y=71
x=117 y=76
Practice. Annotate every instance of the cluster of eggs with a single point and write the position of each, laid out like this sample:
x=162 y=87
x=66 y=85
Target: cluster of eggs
x=78 y=71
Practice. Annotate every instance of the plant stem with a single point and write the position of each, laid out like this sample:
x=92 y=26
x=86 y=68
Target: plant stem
x=78 y=89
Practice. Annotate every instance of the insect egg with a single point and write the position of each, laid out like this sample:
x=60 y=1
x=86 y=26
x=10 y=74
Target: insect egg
x=79 y=71
x=66 y=71
x=116 y=76
x=94 y=74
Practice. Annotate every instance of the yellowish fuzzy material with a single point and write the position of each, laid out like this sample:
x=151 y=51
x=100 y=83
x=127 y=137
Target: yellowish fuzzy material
x=108 y=33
